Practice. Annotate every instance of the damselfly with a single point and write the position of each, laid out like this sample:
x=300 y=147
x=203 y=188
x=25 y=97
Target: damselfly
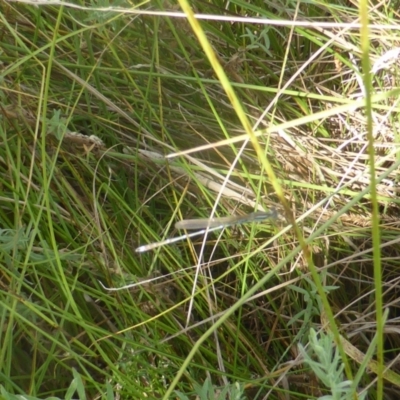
x=209 y=225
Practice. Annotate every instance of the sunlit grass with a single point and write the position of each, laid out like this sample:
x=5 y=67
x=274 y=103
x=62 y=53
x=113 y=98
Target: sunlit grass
x=115 y=125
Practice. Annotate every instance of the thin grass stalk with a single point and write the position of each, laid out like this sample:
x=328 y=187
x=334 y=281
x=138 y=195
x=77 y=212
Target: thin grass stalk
x=367 y=79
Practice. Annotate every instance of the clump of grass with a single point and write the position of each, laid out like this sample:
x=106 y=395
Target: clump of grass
x=95 y=101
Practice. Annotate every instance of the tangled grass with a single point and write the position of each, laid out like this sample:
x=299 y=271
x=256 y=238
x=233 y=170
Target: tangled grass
x=119 y=119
